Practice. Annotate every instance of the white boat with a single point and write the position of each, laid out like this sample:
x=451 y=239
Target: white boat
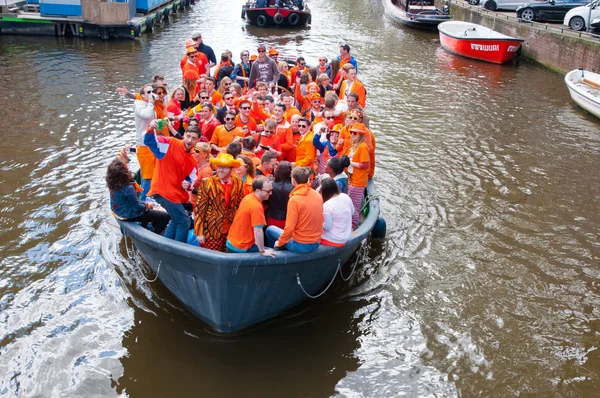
x=584 y=87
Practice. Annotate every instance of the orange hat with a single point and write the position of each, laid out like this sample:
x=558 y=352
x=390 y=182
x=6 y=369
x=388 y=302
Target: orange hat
x=191 y=74
x=225 y=160
x=190 y=43
x=316 y=96
x=242 y=100
x=190 y=50
x=337 y=128
x=272 y=51
x=312 y=84
x=356 y=112
x=359 y=128
x=253 y=57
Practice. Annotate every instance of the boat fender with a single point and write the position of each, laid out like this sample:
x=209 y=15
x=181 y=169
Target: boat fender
x=261 y=20
x=243 y=12
x=379 y=230
x=309 y=19
x=293 y=19
x=149 y=24
x=278 y=18
x=166 y=13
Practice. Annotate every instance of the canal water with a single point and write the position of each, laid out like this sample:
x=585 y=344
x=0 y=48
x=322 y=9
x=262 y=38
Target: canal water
x=487 y=284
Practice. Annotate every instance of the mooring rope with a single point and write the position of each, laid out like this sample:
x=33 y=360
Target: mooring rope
x=156 y=277
x=323 y=292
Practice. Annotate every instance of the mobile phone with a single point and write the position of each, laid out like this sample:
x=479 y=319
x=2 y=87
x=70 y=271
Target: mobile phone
x=132 y=150
x=264 y=146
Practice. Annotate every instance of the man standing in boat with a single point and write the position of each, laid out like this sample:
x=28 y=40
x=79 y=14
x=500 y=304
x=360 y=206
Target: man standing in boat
x=175 y=163
x=206 y=50
x=218 y=200
x=346 y=58
x=246 y=232
x=264 y=69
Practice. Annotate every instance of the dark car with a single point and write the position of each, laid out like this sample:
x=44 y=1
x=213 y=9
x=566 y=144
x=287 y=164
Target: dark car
x=551 y=10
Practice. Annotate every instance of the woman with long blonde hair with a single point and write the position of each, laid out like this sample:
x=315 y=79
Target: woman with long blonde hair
x=224 y=85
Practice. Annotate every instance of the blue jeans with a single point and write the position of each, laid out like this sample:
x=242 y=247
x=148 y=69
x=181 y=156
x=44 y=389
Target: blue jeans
x=273 y=233
x=145 y=188
x=180 y=221
x=252 y=249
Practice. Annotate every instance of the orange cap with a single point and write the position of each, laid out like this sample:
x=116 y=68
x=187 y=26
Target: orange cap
x=191 y=74
x=253 y=57
x=358 y=128
x=272 y=51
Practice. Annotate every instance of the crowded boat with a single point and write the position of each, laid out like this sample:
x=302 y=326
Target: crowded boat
x=252 y=156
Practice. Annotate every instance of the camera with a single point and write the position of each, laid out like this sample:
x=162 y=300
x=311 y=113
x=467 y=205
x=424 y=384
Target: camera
x=132 y=150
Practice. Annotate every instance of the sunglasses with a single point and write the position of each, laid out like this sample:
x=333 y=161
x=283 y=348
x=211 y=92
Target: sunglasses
x=245 y=108
x=267 y=131
x=228 y=98
x=262 y=51
x=267 y=190
x=352 y=118
x=303 y=126
x=302 y=63
x=329 y=117
x=192 y=55
x=353 y=133
x=322 y=60
x=227 y=84
x=160 y=93
x=149 y=92
x=245 y=55
x=204 y=97
x=230 y=118
x=197 y=150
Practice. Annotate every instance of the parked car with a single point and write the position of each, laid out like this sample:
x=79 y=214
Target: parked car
x=550 y=10
x=596 y=24
x=510 y=5
x=578 y=18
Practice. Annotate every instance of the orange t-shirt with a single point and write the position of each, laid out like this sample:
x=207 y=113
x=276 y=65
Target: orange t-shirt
x=306 y=153
x=247 y=127
x=201 y=62
x=360 y=177
x=216 y=98
x=248 y=185
x=222 y=137
x=249 y=215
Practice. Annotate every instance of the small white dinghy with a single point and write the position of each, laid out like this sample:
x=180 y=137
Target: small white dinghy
x=584 y=87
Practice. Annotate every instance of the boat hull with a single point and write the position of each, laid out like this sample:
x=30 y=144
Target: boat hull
x=231 y=292
x=583 y=95
x=277 y=17
x=428 y=20
x=478 y=42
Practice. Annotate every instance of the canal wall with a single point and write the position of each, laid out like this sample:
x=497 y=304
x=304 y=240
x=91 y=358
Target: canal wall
x=554 y=46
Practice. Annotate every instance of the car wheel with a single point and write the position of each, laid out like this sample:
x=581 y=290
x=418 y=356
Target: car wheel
x=473 y=2
x=528 y=15
x=490 y=5
x=577 y=23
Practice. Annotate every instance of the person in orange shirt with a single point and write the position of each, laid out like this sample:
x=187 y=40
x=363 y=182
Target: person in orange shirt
x=305 y=101
x=290 y=109
x=268 y=140
x=246 y=173
x=215 y=96
x=353 y=85
x=243 y=120
x=306 y=153
x=358 y=171
x=200 y=60
x=304 y=217
x=284 y=132
x=343 y=145
x=298 y=69
x=226 y=133
x=314 y=112
x=246 y=232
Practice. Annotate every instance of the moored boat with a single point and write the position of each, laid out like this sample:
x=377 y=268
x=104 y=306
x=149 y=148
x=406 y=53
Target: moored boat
x=478 y=42
x=416 y=13
x=287 y=14
x=233 y=291
x=584 y=87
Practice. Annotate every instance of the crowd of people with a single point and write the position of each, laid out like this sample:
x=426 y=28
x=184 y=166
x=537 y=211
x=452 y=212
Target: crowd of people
x=252 y=157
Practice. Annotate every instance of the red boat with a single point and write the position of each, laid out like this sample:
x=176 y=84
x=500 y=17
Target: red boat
x=277 y=13
x=478 y=42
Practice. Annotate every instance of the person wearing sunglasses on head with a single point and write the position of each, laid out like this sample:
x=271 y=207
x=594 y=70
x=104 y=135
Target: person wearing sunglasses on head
x=226 y=133
x=264 y=69
x=241 y=71
x=324 y=67
x=204 y=49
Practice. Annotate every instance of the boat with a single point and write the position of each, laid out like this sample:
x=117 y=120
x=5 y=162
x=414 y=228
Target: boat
x=286 y=13
x=584 y=87
x=231 y=291
x=478 y=42
x=416 y=13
